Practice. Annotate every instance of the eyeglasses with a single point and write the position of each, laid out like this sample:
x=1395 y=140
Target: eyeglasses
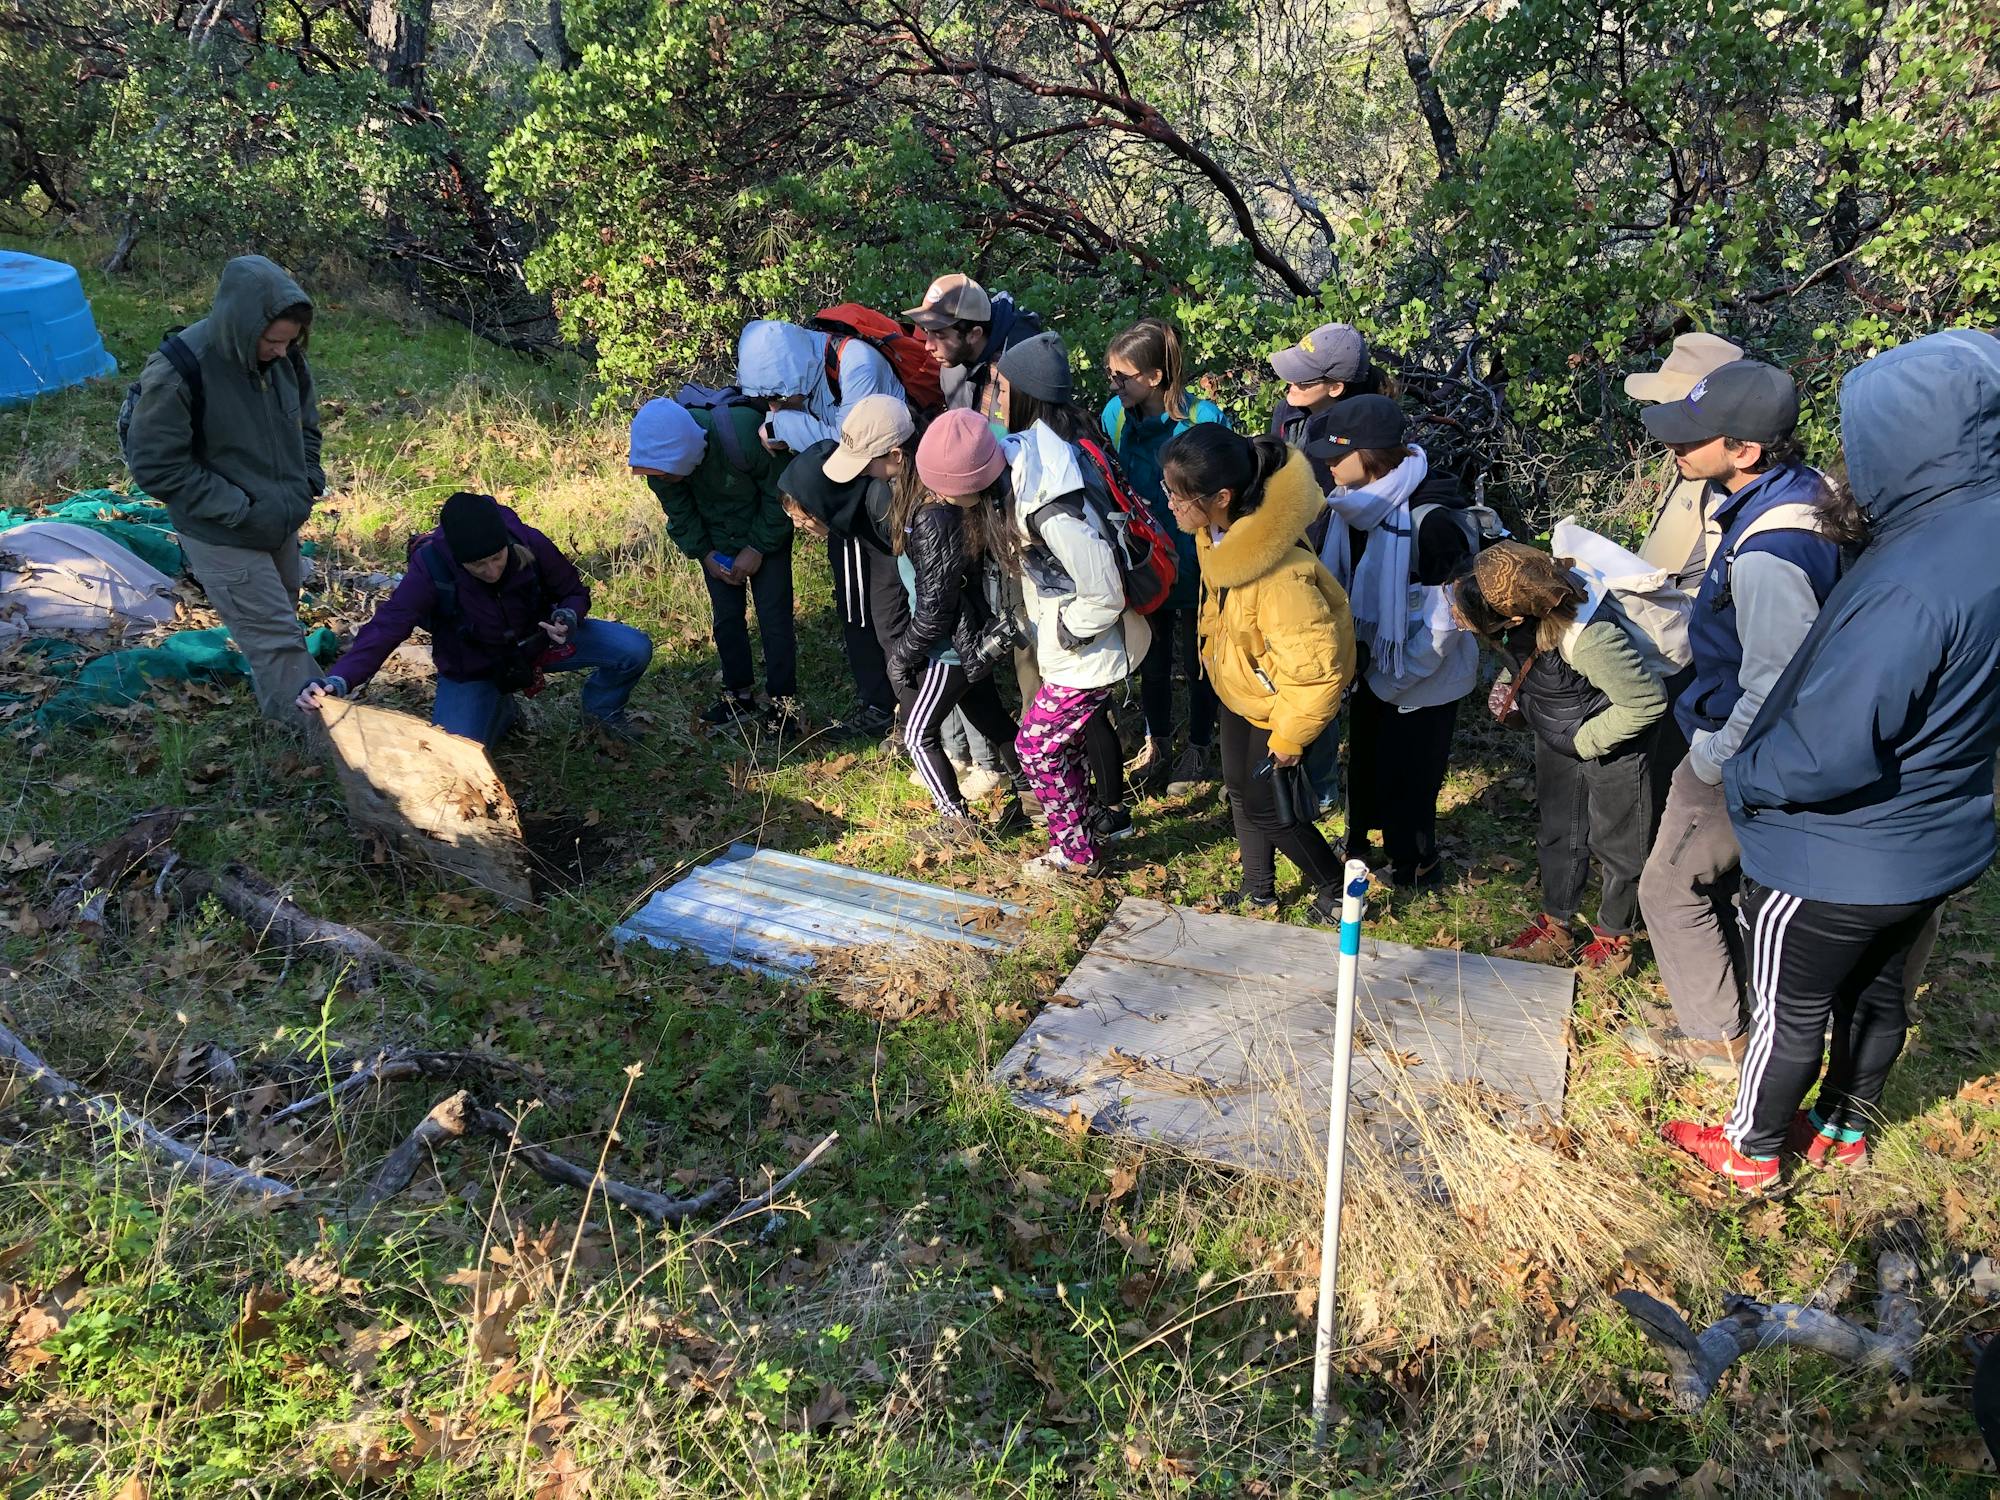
x=1116 y=378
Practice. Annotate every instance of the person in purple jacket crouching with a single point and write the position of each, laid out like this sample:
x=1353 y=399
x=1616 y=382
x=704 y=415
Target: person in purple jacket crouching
x=503 y=606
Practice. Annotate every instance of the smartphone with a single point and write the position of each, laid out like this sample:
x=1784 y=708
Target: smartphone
x=723 y=562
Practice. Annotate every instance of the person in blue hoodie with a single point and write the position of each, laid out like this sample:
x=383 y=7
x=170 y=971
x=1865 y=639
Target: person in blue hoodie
x=1771 y=565
x=1150 y=406
x=1862 y=795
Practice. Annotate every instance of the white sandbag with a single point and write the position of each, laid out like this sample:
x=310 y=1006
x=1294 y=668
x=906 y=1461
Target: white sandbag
x=1656 y=608
x=59 y=577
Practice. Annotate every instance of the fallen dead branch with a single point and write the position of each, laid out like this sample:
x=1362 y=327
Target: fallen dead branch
x=448 y=1120
x=85 y=898
x=398 y=1067
x=765 y=1199
x=207 y=1170
x=276 y=916
x=1696 y=1362
x=460 y=1115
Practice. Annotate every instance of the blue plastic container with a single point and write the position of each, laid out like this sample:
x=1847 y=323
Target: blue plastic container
x=48 y=338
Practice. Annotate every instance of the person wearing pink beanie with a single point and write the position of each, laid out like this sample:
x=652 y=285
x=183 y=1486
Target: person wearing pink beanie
x=952 y=543
x=959 y=454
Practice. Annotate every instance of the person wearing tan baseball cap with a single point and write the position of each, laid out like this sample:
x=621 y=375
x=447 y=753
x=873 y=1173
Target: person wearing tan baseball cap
x=1676 y=540
x=967 y=329
x=875 y=427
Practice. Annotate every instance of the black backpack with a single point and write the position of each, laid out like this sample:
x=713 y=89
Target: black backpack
x=717 y=402
x=182 y=358
x=188 y=367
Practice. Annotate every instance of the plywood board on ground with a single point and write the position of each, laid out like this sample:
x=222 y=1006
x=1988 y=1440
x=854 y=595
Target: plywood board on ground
x=433 y=796
x=778 y=913
x=1214 y=1034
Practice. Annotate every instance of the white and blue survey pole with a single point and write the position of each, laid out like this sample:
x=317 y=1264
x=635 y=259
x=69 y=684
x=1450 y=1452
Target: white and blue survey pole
x=1354 y=892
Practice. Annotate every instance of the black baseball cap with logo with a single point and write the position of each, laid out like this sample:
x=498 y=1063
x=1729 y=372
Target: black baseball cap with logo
x=1745 y=400
x=1354 y=422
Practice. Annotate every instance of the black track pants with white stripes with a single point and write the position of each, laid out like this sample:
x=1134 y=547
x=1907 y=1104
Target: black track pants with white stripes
x=928 y=702
x=1810 y=960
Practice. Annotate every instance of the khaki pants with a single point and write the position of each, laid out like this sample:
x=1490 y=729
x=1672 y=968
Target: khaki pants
x=1688 y=894
x=257 y=595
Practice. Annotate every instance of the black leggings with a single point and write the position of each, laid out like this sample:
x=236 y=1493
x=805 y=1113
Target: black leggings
x=926 y=705
x=1395 y=769
x=1258 y=833
x=1175 y=628
x=1810 y=962
x=1106 y=756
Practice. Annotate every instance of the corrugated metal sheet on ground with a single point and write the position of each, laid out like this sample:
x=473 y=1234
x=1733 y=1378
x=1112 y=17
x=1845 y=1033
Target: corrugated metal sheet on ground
x=775 y=913
x=1214 y=1035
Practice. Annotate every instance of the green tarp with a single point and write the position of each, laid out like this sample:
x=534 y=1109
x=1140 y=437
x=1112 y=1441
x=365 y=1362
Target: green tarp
x=122 y=677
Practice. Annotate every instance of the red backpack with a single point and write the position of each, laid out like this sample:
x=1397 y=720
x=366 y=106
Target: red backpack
x=1147 y=559
x=923 y=383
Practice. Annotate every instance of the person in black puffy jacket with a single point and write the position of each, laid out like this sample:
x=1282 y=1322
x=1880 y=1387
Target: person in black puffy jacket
x=950 y=537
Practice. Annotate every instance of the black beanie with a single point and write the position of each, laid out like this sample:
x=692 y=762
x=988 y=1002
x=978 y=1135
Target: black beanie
x=472 y=527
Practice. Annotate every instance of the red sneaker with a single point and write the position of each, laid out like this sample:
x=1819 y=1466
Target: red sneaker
x=1817 y=1146
x=1542 y=941
x=1610 y=954
x=1705 y=1143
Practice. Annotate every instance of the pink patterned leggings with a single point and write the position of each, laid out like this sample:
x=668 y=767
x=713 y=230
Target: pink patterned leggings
x=1051 y=750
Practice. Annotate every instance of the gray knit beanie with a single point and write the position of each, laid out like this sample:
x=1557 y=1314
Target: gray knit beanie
x=1039 y=367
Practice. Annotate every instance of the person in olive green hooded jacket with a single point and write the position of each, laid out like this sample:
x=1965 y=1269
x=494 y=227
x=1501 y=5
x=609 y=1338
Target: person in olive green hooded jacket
x=240 y=489
x=719 y=488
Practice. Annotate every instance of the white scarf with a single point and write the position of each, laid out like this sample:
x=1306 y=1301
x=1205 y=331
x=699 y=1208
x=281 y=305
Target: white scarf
x=1379 y=589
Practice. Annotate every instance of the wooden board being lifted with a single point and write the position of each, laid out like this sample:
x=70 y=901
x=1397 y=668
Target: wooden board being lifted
x=1214 y=1034
x=434 y=796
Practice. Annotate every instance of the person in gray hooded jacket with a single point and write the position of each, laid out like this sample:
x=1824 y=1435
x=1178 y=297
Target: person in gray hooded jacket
x=241 y=486
x=1862 y=793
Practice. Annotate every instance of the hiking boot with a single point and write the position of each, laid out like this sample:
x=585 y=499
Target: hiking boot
x=975 y=782
x=1707 y=1145
x=1250 y=902
x=867 y=722
x=1820 y=1145
x=1720 y=1058
x=1108 y=825
x=1417 y=877
x=783 y=722
x=1607 y=953
x=1194 y=768
x=1542 y=941
x=1326 y=903
x=949 y=833
x=729 y=711
x=616 y=728
x=1147 y=772
x=1013 y=819
x=1053 y=867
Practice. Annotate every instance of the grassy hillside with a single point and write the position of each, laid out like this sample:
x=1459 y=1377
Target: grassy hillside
x=961 y=1299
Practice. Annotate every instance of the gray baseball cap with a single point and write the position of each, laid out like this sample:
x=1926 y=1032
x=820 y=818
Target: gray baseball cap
x=1332 y=351
x=1745 y=400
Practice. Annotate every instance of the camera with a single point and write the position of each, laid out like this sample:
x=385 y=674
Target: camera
x=998 y=639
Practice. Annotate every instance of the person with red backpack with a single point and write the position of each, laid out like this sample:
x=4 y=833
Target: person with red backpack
x=967 y=329
x=1087 y=637
x=809 y=378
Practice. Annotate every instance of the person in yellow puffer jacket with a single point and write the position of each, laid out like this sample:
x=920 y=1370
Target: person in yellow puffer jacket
x=1277 y=641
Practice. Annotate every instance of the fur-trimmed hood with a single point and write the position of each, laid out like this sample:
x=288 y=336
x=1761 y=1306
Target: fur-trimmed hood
x=1269 y=535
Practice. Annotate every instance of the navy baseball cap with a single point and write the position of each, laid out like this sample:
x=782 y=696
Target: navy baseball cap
x=1745 y=400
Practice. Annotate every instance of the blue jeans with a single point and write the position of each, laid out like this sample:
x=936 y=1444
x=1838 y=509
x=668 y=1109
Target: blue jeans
x=618 y=653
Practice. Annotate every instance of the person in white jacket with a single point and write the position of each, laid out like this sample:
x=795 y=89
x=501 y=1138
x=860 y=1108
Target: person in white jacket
x=786 y=367
x=1085 y=638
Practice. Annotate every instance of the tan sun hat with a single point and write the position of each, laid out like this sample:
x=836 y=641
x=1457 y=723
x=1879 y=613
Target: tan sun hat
x=874 y=425
x=956 y=298
x=1693 y=356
